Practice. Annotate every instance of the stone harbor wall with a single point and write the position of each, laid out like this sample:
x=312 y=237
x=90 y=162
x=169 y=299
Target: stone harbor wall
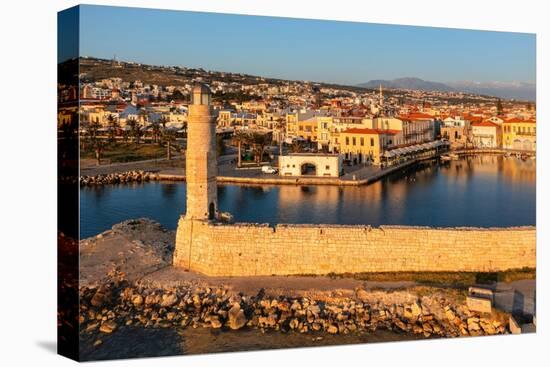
x=255 y=249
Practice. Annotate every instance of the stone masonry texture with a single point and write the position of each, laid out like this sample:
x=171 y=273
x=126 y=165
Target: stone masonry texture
x=256 y=249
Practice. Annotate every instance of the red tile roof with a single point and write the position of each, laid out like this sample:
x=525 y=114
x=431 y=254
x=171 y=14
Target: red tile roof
x=516 y=120
x=417 y=116
x=485 y=123
x=357 y=130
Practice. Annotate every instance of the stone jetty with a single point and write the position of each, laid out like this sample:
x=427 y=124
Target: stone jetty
x=117 y=178
x=105 y=308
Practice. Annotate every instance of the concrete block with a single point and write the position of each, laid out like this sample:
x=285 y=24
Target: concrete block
x=514 y=326
x=479 y=304
x=481 y=293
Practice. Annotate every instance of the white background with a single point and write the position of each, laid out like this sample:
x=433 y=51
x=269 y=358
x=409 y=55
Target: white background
x=28 y=181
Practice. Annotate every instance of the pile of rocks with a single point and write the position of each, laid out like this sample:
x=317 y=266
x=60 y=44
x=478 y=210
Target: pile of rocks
x=106 y=308
x=115 y=178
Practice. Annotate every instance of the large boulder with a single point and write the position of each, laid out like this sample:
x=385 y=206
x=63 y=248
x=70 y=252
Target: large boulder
x=168 y=300
x=237 y=318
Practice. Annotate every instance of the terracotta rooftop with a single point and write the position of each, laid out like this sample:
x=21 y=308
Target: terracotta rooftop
x=517 y=120
x=485 y=123
x=370 y=131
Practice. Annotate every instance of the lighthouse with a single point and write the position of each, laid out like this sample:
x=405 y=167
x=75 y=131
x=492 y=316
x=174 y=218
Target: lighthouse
x=201 y=163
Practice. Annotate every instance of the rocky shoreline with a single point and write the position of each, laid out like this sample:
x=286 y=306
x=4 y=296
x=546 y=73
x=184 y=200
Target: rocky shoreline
x=106 y=308
x=116 y=178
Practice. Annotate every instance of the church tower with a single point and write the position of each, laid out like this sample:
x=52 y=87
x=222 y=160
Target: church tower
x=201 y=162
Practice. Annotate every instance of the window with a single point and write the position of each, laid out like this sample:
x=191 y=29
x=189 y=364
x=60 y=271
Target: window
x=327 y=167
x=353 y=139
x=371 y=142
x=362 y=141
x=347 y=140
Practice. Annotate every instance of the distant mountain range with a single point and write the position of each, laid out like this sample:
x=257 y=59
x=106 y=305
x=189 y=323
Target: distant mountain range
x=509 y=90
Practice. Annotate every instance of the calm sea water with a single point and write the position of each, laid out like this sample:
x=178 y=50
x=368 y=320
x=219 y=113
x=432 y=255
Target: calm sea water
x=481 y=191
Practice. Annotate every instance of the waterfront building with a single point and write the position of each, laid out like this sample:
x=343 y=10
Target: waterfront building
x=366 y=145
x=486 y=134
x=456 y=130
x=324 y=124
x=418 y=128
x=307 y=129
x=303 y=124
x=314 y=164
x=519 y=134
x=340 y=124
x=394 y=124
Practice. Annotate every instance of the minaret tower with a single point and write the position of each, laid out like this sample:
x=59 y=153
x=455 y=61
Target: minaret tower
x=201 y=162
x=381 y=102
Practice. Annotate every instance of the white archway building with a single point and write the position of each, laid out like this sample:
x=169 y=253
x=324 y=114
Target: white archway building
x=310 y=164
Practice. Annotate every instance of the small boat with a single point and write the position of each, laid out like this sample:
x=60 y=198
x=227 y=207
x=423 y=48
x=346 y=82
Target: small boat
x=533 y=157
x=446 y=157
x=454 y=156
x=507 y=155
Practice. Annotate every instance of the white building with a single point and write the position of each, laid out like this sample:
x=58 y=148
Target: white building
x=310 y=164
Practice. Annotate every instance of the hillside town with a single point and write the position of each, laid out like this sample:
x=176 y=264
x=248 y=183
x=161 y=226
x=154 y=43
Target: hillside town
x=348 y=127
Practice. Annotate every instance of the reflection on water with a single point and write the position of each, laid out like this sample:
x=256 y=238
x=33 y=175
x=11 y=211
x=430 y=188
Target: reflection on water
x=479 y=191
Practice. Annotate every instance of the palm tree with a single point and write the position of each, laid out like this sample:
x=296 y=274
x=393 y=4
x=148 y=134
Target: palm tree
x=113 y=126
x=95 y=142
x=296 y=146
x=135 y=129
x=259 y=142
x=240 y=137
x=155 y=125
x=168 y=137
x=98 y=146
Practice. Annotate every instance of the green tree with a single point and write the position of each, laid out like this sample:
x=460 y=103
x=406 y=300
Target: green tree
x=94 y=141
x=98 y=145
x=168 y=139
x=239 y=138
x=156 y=129
x=135 y=130
x=296 y=147
x=112 y=126
x=500 y=109
x=259 y=142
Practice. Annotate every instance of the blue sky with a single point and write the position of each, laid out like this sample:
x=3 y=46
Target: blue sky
x=317 y=50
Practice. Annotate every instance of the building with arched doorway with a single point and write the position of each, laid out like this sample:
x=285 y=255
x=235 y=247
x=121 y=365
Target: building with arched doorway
x=310 y=164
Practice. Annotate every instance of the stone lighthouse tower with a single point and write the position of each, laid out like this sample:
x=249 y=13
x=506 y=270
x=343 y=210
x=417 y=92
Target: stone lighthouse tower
x=201 y=164
x=201 y=172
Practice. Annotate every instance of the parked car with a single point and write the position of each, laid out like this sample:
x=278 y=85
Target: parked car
x=269 y=169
